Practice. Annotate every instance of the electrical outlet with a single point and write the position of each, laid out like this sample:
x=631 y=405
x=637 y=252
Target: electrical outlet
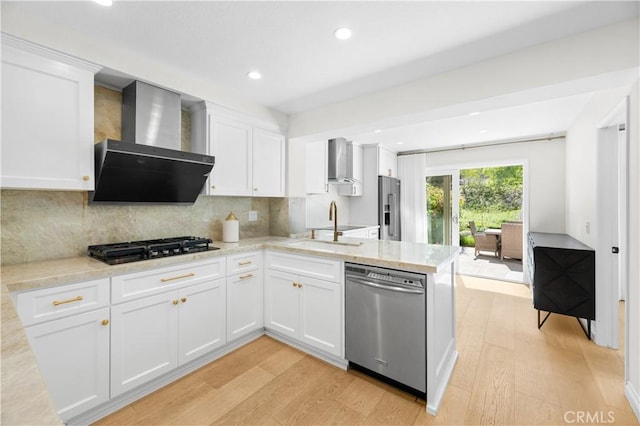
x=253 y=216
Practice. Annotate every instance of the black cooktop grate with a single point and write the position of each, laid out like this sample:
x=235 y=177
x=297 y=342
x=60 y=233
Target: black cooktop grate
x=133 y=251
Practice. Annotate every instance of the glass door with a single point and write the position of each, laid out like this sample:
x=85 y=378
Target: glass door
x=443 y=195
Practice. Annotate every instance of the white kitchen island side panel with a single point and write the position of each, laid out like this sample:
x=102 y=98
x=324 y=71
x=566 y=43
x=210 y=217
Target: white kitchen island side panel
x=441 y=334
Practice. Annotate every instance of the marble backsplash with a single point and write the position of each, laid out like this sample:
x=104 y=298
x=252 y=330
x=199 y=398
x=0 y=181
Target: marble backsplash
x=42 y=225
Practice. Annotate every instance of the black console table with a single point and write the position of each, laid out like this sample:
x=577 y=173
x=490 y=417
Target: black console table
x=563 y=277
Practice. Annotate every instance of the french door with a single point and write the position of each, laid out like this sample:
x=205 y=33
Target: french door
x=443 y=196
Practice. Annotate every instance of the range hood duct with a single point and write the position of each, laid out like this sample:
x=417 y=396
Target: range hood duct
x=340 y=164
x=147 y=166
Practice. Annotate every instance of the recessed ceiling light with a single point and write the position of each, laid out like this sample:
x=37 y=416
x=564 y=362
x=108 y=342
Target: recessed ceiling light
x=399 y=143
x=254 y=75
x=342 y=33
x=474 y=113
x=484 y=131
x=377 y=131
x=104 y=2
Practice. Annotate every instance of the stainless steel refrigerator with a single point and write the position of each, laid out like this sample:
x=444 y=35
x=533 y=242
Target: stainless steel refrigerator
x=389 y=208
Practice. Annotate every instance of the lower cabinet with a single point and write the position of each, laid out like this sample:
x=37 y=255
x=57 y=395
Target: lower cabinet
x=73 y=356
x=153 y=335
x=304 y=308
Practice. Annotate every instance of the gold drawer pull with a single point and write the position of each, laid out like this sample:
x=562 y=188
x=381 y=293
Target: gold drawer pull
x=86 y=178
x=189 y=275
x=184 y=299
x=175 y=302
x=246 y=277
x=248 y=262
x=105 y=322
x=294 y=284
x=62 y=302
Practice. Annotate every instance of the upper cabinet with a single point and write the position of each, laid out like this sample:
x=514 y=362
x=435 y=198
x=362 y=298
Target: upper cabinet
x=47 y=118
x=249 y=159
x=387 y=163
x=316 y=181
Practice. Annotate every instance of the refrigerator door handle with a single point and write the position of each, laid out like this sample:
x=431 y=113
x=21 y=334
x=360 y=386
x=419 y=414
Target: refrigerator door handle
x=392 y=214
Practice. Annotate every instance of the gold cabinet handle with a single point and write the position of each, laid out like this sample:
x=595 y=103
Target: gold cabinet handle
x=299 y=285
x=248 y=262
x=175 y=302
x=86 y=178
x=105 y=322
x=294 y=284
x=62 y=302
x=213 y=187
x=246 y=277
x=164 y=280
x=184 y=299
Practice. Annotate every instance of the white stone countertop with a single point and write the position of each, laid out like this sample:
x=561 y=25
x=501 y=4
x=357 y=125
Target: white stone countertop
x=25 y=399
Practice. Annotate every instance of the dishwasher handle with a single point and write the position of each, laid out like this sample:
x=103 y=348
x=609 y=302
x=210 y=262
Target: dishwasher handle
x=384 y=286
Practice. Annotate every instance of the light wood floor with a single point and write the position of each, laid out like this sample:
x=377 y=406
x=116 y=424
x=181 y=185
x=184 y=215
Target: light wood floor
x=508 y=373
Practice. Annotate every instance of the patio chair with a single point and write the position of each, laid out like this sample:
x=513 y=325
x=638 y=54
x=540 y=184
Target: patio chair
x=511 y=240
x=483 y=241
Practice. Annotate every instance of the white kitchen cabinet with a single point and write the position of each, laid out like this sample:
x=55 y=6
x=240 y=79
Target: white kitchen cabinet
x=301 y=306
x=245 y=302
x=144 y=340
x=170 y=316
x=249 y=154
x=47 y=118
x=153 y=335
x=387 y=163
x=268 y=164
x=230 y=144
x=316 y=177
x=201 y=319
x=73 y=356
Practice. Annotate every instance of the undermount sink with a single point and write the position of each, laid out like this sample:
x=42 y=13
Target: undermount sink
x=308 y=242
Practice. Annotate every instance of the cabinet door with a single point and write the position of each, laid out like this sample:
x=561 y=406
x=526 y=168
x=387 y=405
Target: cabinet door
x=144 y=336
x=244 y=304
x=320 y=315
x=231 y=143
x=47 y=123
x=201 y=319
x=282 y=300
x=268 y=164
x=316 y=168
x=387 y=163
x=73 y=356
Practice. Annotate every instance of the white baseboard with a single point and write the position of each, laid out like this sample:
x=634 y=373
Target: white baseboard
x=338 y=362
x=633 y=398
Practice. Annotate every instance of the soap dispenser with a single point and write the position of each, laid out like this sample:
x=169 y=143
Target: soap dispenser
x=231 y=229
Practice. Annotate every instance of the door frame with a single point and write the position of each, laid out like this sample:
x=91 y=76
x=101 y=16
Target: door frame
x=525 y=198
x=455 y=199
x=606 y=330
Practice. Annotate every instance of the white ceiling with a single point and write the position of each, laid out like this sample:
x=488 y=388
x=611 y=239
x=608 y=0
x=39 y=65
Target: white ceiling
x=304 y=66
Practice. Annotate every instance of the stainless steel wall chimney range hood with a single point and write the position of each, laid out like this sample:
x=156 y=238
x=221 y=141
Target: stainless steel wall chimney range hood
x=147 y=166
x=340 y=164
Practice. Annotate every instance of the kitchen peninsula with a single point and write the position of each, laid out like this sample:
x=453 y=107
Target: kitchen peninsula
x=436 y=262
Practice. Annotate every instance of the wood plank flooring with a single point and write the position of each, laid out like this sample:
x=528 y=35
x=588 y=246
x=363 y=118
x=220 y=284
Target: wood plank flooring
x=508 y=373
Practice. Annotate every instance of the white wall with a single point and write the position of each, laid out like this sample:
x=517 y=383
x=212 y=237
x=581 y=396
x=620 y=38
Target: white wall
x=544 y=162
x=633 y=295
x=581 y=165
x=582 y=204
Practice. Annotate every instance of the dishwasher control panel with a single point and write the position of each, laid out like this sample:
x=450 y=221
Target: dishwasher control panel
x=393 y=279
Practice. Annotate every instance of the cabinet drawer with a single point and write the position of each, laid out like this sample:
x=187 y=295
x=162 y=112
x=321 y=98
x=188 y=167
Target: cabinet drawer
x=243 y=262
x=309 y=266
x=57 y=302
x=145 y=283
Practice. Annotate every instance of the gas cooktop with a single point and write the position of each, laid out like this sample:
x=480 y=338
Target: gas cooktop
x=134 y=251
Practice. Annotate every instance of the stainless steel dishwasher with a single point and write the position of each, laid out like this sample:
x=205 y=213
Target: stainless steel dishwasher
x=385 y=324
